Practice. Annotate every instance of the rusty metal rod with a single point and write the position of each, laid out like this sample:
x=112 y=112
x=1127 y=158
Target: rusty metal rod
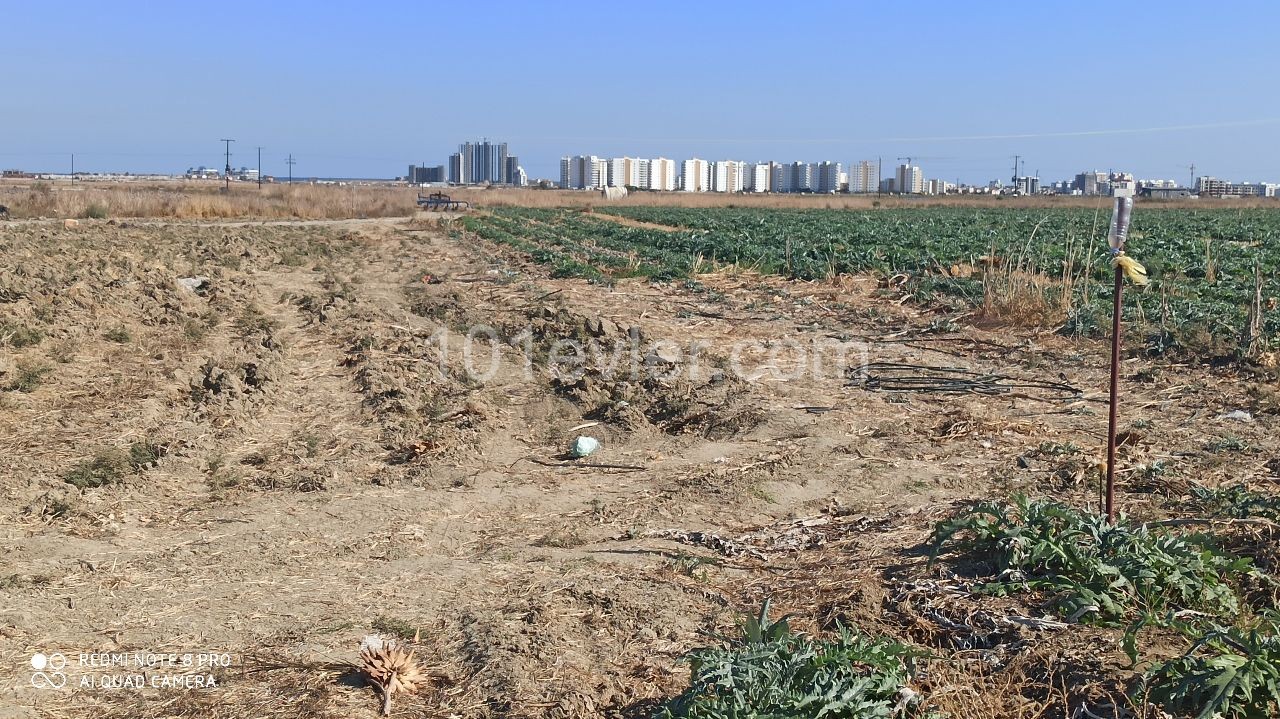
x=1114 y=398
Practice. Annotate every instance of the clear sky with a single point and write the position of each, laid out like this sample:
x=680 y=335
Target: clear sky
x=364 y=89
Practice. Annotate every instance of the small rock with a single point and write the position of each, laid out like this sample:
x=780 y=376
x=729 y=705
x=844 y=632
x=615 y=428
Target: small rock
x=70 y=224
x=1237 y=415
x=1024 y=463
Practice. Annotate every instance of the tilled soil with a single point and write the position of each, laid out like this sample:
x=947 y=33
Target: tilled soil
x=270 y=440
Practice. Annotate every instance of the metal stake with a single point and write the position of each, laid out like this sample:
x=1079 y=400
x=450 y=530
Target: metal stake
x=1115 y=239
x=1112 y=416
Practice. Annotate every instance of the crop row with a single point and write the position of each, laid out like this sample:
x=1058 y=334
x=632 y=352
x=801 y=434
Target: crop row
x=1202 y=262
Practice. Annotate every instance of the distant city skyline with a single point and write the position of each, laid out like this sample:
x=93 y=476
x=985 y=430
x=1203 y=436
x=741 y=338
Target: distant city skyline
x=356 y=91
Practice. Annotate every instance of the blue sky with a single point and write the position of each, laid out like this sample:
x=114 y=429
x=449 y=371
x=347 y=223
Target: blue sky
x=364 y=89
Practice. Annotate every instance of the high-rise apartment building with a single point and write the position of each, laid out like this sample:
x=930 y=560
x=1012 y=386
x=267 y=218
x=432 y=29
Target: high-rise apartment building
x=419 y=175
x=826 y=177
x=662 y=174
x=643 y=169
x=583 y=172
x=624 y=172
x=478 y=163
x=757 y=179
x=802 y=176
x=865 y=176
x=695 y=175
x=727 y=176
x=909 y=180
x=512 y=173
x=1091 y=183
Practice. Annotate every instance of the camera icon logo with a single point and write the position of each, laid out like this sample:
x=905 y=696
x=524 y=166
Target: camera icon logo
x=49 y=672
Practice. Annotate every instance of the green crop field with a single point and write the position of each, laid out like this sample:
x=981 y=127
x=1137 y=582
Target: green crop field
x=1202 y=262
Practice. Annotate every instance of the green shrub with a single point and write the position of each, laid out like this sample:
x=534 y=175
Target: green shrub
x=107 y=467
x=96 y=211
x=1112 y=572
x=772 y=672
x=112 y=466
x=119 y=334
x=1228 y=673
x=30 y=375
x=16 y=335
x=1236 y=502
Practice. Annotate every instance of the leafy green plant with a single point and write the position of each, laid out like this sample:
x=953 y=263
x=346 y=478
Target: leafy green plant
x=1092 y=568
x=1226 y=443
x=771 y=671
x=1228 y=673
x=1194 y=317
x=1236 y=502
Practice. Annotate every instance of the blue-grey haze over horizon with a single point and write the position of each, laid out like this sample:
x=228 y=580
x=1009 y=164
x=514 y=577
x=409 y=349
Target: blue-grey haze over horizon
x=363 y=90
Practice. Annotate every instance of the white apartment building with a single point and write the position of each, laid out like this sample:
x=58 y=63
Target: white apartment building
x=909 y=180
x=728 y=176
x=599 y=173
x=642 y=173
x=624 y=172
x=695 y=175
x=662 y=174
x=826 y=177
x=757 y=177
x=583 y=172
x=864 y=176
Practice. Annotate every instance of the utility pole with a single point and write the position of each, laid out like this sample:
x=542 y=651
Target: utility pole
x=290 y=162
x=259 y=167
x=73 y=168
x=1016 y=158
x=226 y=175
x=1192 y=186
x=879 y=174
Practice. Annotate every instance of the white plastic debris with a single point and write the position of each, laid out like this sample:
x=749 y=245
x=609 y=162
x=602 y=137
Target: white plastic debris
x=584 y=446
x=193 y=284
x=1237 y=415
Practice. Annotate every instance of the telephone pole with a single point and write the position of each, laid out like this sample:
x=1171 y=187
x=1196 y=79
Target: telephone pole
x=290 y=162
x=73 y=168
x=226 y=175
x=259 y=167
x=1192 y=186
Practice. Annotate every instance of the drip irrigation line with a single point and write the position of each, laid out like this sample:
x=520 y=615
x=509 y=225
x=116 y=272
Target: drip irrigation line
x=900 y=377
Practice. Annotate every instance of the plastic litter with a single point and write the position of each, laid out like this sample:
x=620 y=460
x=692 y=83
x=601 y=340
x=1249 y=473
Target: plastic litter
x=584 y=446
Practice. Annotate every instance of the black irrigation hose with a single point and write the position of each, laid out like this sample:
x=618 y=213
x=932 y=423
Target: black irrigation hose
x=897 y=377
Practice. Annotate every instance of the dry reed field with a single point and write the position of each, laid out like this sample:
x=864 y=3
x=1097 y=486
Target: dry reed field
x=206 y=200
x=260 y=443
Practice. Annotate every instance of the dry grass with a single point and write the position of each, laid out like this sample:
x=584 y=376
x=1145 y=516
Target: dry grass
x=206 y=200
